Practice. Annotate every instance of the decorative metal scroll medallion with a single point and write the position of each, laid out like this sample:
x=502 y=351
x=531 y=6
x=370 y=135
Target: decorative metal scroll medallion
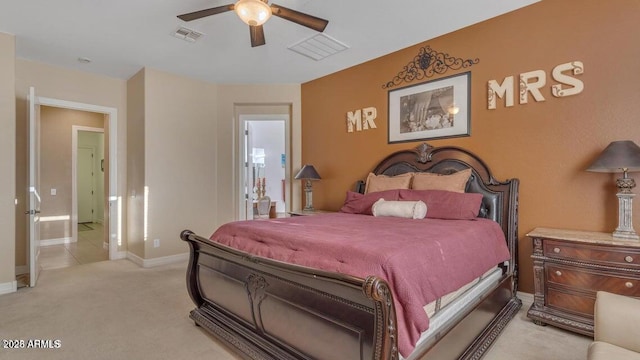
x=423 y=151
x=427 y=63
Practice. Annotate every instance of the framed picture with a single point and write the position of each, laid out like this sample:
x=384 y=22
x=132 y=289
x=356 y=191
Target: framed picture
x=433 y=110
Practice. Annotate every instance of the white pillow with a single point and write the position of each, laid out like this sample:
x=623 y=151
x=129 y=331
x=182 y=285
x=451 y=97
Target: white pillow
x=404 y=209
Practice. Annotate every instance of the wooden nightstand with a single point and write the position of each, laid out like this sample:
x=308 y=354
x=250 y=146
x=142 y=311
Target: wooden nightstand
x=570 y=266
x=309 y=213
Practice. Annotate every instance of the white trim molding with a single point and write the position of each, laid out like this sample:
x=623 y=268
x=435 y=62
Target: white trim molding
x=8 y=287
x=164 y=260
x=58 y=241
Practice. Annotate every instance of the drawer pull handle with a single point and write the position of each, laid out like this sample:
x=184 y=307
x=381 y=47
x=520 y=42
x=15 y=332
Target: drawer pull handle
x=556 y=250
x=628 y=284
x=628 y=259
x=558 y=272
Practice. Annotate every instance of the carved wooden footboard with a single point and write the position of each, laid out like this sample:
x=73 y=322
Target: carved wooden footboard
x=273 y=310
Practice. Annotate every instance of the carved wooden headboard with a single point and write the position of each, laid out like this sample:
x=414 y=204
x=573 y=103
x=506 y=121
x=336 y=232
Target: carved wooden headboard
x=499 y=198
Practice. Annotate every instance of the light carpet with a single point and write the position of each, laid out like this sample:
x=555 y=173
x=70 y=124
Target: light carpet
x=117 y=310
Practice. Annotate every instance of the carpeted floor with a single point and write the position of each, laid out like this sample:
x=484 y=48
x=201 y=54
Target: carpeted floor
x=117 y=310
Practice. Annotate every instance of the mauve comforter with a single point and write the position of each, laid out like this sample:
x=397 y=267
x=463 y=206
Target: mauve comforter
x=421 y=260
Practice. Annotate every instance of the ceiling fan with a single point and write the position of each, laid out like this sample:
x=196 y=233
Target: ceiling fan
x=255 y=13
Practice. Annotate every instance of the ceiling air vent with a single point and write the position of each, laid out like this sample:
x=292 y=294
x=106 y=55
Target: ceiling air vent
x=318 y=46
x=187 y=34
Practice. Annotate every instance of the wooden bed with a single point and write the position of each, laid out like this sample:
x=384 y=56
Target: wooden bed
x=267 y=309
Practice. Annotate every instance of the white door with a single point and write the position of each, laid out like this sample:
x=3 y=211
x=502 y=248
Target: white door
x=33 y=225
x=85 y=175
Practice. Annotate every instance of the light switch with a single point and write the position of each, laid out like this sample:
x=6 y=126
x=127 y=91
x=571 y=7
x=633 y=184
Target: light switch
x=53 y=192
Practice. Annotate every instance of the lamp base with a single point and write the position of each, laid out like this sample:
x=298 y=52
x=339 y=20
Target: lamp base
x=625 y=218
x=308 y=197
x=629 y=235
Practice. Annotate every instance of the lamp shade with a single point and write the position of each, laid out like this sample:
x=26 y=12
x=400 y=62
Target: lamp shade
x=253 y=12
x=308 y=172
x=619 y=156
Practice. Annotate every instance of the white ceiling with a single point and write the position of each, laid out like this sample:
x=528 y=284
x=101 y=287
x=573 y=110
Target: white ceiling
x=122 y=36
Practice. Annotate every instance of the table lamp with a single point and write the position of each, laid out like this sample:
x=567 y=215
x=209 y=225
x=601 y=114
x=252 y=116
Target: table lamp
x=621 y=156
x=308 y=173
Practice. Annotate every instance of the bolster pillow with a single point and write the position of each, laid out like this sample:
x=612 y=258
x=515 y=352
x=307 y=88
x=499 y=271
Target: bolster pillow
x=404 y=209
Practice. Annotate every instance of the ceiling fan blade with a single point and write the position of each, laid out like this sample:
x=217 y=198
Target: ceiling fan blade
x=207 y=12
x=297 y=17
x=257 y=35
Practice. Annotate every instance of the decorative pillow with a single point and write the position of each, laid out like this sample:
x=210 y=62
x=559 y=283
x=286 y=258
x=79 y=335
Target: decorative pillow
x=446 y=204
x=357 y=203
x=403 y=209
x=377 y=183
x=456 y=182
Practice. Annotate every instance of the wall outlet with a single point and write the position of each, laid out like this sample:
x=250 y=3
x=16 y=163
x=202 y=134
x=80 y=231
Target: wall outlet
x=156 y=243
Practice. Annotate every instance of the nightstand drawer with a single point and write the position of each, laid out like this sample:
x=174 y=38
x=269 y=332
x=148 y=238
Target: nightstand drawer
x=575 y=303
x=592 y=281
x=616 y=256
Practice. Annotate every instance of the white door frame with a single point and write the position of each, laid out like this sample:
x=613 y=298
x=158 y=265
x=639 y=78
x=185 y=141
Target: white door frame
x=74 y=177
x=33 y=225
x=115 y=201
x=241 y=173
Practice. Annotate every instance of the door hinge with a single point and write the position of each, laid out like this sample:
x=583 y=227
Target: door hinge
x=246 y=132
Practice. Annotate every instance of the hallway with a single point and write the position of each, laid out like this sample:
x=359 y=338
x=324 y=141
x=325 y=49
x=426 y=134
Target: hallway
x=89 y=248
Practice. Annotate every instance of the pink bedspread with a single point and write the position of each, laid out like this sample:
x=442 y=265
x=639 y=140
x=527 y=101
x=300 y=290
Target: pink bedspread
x=421 y=260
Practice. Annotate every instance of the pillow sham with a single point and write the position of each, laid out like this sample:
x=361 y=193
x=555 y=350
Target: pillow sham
x=377 y=183
x=403 y=209
x=456 y=182
x=357 y=203
x=446 y=204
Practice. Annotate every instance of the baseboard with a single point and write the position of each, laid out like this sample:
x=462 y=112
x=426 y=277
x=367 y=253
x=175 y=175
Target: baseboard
x=59 y=241
x=22 y=269
x=165 y=260
x=8 y=287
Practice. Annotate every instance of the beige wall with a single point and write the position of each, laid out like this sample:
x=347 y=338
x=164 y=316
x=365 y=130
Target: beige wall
x=7 y=162
x=180 y=128
x=56 y=167
x=182 y=143
x=547 y=145
x=233 y=101
x=70 y=85
x=173 y=155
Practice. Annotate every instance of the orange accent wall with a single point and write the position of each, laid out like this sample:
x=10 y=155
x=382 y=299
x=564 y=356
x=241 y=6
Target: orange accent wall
x=547 y=145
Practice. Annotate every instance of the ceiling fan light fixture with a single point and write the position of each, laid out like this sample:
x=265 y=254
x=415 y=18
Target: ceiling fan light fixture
x=253 y=12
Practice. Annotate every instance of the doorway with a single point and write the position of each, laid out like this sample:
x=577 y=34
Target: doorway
x=263 y=164
x=72 y=181
x=111 y=229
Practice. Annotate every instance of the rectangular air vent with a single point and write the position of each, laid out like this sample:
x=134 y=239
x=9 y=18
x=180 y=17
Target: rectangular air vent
x=318 y=46
x=187 y=34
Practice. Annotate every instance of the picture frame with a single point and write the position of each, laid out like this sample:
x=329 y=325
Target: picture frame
x=436 y=109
